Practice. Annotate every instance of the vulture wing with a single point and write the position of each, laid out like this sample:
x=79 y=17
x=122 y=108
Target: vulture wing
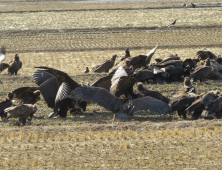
x=19 y=92
x=61 y=77
x=2 y=54
x=48 y=86
x=104 y=82
x=150 y=55
x=147 y=103
x=97 y=95
x=3 y=66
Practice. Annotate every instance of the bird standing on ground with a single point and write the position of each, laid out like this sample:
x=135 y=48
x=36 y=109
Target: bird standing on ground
x=87 y=70
x=174 y=22
x=15 y=65
x=183 y=5
x=193 y=5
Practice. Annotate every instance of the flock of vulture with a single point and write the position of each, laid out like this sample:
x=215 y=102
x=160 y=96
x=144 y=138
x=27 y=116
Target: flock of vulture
x=121 y=91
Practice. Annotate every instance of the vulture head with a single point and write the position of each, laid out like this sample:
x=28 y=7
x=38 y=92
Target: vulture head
x=16 y=57
x=114 y=58
x=187 y=81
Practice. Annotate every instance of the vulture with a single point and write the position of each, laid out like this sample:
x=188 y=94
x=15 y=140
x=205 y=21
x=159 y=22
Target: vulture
x=123 y=108
x=127 y=54
x=22 y=111
x=14 y=66
x=145 y=92
x=106 y=66
x=5 y=104
x=27 y=95
x=206 y=54
x=64 y=77
x=56 y=97
x=203 y=102
x=135 y=62
x=160 y=75
x=2 y=58
x=122 y=85
x=181 y=103
x=183 y=5
x=201 y=72
x=86 y=71
x=188 y=87
x=193 y=5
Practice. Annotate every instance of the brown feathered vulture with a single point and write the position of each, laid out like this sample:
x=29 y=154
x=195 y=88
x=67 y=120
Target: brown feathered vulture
x=201 y=72
x=206 y=54
x=145 y=92
x=123 y=108
x=181 y=103
x=105 y=66
x=7 y=102
x=22 y=111
x=203 y=102
x=15 y=65
x=56 y=97
x=127 y=54
x=143 y=74
x=122 y=85
x=188 y=87
x=27 y=95
x=135 y=62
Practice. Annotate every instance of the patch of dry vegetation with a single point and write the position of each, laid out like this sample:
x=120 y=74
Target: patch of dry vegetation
x=113 y=149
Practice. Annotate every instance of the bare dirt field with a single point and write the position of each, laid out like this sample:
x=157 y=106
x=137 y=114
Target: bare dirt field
x=70 y=35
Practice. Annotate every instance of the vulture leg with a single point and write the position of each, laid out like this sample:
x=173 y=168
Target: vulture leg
x=196 y=115
x=22 y=120
x=182 y=113
x=63 y=112
x=3 y=115
x=16 y=73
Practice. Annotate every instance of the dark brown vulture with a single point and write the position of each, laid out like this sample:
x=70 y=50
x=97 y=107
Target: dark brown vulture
x=135 y=62
x=106 y=66
x=206 y=54
x=56 y=97
x=201 y=72
x=27 y=95
x=64 y=77
x=145 y=92
x=14 y=66
x=123 y=108
x=22 y=111
x=127 y=54
x=122 y=85
x=188 y=87
x=181 y=103
x=160 y=74
x=203 y=102
x=7 y=102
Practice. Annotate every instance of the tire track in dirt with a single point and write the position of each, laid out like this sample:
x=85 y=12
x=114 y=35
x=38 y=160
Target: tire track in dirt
x=110 y=38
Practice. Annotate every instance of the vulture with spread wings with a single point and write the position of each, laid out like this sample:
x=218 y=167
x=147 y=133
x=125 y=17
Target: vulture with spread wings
x=123 y=108
x=64 y=77
x=54 y=95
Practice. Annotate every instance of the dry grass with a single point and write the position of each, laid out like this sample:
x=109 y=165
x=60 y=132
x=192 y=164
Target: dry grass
x=86 y=38
x=188 y=148
x=111 y=18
